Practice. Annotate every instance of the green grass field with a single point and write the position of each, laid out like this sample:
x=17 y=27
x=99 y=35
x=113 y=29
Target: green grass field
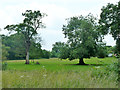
x=55 y=73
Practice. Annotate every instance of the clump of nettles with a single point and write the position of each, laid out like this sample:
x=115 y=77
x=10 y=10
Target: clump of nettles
x=4 y=66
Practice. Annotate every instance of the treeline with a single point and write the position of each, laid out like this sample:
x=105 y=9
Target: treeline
x=62 y=50
x=13 y=48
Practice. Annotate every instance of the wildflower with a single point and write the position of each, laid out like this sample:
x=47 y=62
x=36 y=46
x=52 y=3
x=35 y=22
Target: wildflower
x=97 y=67
x=21 y=76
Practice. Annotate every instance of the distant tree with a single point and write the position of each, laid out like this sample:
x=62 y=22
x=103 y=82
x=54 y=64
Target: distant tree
x=16 y=44
x=46 y=54
x=110 y=49
x=31 y=23
x=35 y=49
x=56 y=50
x=102 y=50
x=5 y=52
x=110 y=22
x=83 y=37
x=115 y=51
x=52 y=54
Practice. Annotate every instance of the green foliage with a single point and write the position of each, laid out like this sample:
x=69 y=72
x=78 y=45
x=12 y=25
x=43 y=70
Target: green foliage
x=45 y=54
x=5 y=52
x=110 y=49
x=16 y=44
x=35 y=48
x=61 y=50
x=13 y=47
x=102 y=50
x=31 y=23
x=116 y=53
x=56 y=50
x=64 y=52
x=53 y=54
x=118 y=47
x=110 y=21
x=82 y=36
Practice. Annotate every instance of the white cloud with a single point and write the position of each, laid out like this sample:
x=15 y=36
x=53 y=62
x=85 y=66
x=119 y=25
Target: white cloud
x=49 y=37
x=57 y=11
x=109 y=40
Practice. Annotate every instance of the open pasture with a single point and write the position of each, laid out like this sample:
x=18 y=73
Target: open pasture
x=55 y=64
x=55 y=73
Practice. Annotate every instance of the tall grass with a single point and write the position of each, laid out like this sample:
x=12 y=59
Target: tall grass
x=61 y=79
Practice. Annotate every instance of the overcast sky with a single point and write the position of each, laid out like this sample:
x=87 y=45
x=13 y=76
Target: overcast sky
x=57 y=11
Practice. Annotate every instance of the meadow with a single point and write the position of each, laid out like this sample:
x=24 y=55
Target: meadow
x=56 y=73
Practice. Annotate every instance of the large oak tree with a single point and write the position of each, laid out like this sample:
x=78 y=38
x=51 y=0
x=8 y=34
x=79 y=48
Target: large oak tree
x=83 y=37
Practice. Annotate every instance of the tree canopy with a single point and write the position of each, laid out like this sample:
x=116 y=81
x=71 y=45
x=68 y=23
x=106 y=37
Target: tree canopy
x=110 y=22
x=13 y=48
x=31 y=23
x=60 y=50
x=83 y=37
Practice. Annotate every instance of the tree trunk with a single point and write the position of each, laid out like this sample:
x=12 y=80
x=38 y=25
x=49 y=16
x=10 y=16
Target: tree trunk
x=27 y=57
x=81 y=62
x=27 y=50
